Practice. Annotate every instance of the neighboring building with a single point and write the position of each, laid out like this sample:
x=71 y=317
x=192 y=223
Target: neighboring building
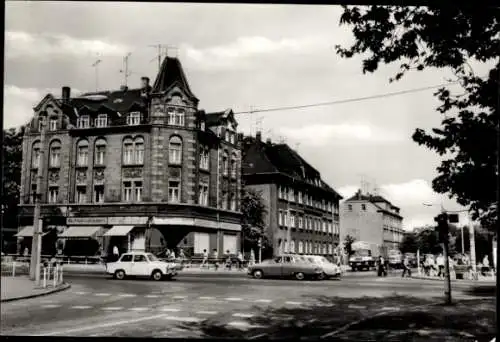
x=118 y=162
x=373 y=219
x=302 y=210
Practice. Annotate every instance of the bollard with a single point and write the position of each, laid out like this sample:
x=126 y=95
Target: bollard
x=44 y=277
x=61 y=274
x=54 y=278
x=14 y=268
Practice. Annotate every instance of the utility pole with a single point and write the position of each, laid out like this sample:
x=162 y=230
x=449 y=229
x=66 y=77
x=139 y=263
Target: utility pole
x=163 y=51
x=442 y=221
x=125 y=71
x=95 y=65
x=472 y=239
x=36 y=244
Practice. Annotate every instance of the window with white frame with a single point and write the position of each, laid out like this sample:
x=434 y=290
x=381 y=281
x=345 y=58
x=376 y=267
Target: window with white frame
x=225 y=164
x=233 y=166
x=324 y=226
x=174 y=191
x=232 y=138
x=53 y=124
x=139 y=150
x=127 y=191
x=55 y=154
x=292 y=246
x=53 y=194
x=202 y=125
x=82 y=153
x=99 y=193
x=204 y=158
x=83 y=121
x=171 y=116
x=138 y=191
x=35 y=157
x=134 y=118
x=300 y=197
x=102 y=120
x=300 y=221
x=280 y=218
x=203 y=194
x=175 y=150
x=224 y=199
x=292 y=220
x=128 y=151
x=232 y=202
x=301 y=246
x=100 y=151
x=290 y=195
x=81 y=194
x=330 y=249
x=41 y=123
x=179 y=117
x=227 y=135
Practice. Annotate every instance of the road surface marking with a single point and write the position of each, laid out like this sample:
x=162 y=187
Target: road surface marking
x=127 y=295
x=233 y=299
x=263 y=301
x=243 y=315
x=152 y=296
x=293 y=303
x=207 y=297
x=139 y=309
x=51 y=306
x=179 y=297
x=81 y=293
x=100 y=326
x=113 y=308
x=323 y=305
x=352 y=306
x=183 y=319
x=395 y=308
x=169 y=310
x=239 y=324
x=206 y=312
x=103 y=294
x=81 y=307
x=46 y=301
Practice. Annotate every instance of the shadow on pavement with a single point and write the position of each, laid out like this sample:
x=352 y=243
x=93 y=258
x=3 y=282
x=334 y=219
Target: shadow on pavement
x=464 y=320
x=482 y=291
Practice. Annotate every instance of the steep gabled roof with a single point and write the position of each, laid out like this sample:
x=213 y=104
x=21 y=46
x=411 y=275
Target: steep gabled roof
x=170 y=75
x=120 y=100
x=217 y=118
x=375 y=199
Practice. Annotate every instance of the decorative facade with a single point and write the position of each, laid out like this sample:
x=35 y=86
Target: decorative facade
x=302 y=210
x=128 y=160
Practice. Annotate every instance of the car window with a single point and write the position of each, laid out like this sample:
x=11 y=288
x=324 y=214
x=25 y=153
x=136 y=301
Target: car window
x=139 y=258
x=126 y=258
x=324 y=260
x=277 y=259
x=151 y=257
x=287 y=259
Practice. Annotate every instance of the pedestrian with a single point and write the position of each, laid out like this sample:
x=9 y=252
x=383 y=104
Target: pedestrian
x=228 y=260
x=26 y=252
x=116 y=253
x=205 y=258
x=485 y=268
x=440 y=265
x=240 y=260
x=172 y=254
x=214 y=258
x=406 y=267
x=381 y=267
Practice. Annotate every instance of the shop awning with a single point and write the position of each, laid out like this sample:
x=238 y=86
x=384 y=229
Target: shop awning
x=27 y=232
x=80 y=232
x=119 y=231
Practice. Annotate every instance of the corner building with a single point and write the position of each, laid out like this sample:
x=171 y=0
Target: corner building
x=142 y=169
x=302 y=210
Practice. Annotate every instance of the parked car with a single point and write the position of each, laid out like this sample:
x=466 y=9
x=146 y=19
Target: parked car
x=331 y=270
x=287 y=266
x=140 y=264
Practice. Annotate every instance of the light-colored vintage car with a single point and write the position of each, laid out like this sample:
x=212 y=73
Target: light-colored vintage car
x=331 y=270
x=140 y=264
x=286 y=266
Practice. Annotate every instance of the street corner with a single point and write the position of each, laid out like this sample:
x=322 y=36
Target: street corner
x=15 y=289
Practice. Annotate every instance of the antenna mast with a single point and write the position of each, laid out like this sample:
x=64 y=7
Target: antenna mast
x=163 y=51
x=125 y=68
x=95 y=65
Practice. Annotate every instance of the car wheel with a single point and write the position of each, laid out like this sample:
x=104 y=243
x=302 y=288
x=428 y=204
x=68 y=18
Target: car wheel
x=299 y=276
x=120 y=275
x=322 y=276
x=157 y=275
x=257 y=274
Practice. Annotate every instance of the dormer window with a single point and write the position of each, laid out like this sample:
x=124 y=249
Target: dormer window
x=228 y=135
x=175 y=117
x=134 y=118
x=40 y=124
x=83 y=121
x=202 y=125
x=102 y=120
x=53 y=124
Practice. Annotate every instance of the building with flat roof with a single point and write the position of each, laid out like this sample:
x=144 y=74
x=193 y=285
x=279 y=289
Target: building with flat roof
x=302 y=210
x=134 y=168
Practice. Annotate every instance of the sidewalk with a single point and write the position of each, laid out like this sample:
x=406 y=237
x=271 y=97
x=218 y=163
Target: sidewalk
x=14 y=288
x=486 y=280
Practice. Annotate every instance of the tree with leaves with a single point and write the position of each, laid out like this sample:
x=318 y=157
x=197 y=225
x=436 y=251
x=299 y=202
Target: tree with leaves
x=421 y=38
x=409 y=244
x=348 y=241
x=253 y=212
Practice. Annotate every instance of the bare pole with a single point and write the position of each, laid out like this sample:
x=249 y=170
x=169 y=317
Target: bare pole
x=36 y=244
x=125 y=68
x=95 y=65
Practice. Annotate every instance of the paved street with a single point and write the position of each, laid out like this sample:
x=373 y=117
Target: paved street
x=100 y=306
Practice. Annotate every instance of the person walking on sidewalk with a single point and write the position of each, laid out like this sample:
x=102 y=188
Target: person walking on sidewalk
x=440 y=265
x=406 y=267
x=381 y=267
x=240 y=260
x=205 y=258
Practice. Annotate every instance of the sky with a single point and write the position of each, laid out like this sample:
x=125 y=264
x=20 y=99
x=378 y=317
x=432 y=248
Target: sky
x=243 y=57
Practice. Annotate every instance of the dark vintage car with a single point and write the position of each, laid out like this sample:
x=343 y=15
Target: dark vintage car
x=286 y=266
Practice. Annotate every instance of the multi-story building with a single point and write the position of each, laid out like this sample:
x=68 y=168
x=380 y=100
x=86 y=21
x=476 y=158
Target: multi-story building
x=302 y=210
x=116 y=163
x=373 y=219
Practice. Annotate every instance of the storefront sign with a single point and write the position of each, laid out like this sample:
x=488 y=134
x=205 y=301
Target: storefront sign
x=87 y=220
x=126 y=220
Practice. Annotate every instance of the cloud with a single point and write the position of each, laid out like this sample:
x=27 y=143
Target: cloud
x=19 y=102
x=319 y=135
x=240 y=50
x=23 y=44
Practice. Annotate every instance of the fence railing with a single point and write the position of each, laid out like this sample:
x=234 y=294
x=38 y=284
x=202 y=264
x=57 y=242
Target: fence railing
x=74 y=259
x=51 y=273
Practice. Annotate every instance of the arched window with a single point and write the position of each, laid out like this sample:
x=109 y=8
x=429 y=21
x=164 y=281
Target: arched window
x=100 y=152
x=175 y=150
x=139 y=150
x=292 y=246
x=280 y=246
x=82 y=153
x=55 y=154
x=35 y=155
x=128 y=149
x=301 y=247
x=204 y=157
x=225 y=165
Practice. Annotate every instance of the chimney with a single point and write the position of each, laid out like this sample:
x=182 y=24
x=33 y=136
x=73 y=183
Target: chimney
x=144 y=82
x=123 y=88
x=258 y=136
x=268 y=141
x=66 y=93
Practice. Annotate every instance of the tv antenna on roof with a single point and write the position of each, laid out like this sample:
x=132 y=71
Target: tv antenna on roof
x=163 y=51
x=96 y=66
x=125 y=71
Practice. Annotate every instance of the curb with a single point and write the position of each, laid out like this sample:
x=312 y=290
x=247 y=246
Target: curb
x=65 y=286
x=456 y=280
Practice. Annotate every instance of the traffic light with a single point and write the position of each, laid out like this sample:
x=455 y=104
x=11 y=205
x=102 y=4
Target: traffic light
x=442 y=226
